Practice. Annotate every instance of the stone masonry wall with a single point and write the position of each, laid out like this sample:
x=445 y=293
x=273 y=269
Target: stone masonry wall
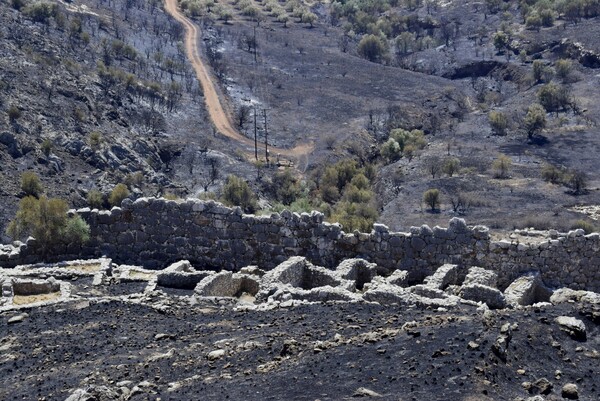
x=156 y=232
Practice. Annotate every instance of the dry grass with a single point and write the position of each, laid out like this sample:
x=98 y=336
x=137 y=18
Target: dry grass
x=33 y=299
x=85 y=268
x=141 y=275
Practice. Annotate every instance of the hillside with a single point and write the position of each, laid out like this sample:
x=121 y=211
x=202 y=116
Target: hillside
x=97 y=93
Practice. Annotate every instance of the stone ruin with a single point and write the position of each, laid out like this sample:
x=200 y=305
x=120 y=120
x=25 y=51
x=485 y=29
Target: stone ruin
x=293 y=282
x=207 y=251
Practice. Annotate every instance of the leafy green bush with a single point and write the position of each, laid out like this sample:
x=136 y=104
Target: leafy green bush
x=405 y=138
x=95 y=199
x=41 y=11
x=501 y=40
x=533 y=21
x=47 y=221
x=76 y=230
x=538 y=70
x=237 y=192
x=30 y=184
x=118 y=194
x=286 y=187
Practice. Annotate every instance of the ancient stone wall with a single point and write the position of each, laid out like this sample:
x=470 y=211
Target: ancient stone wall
x=156 y=232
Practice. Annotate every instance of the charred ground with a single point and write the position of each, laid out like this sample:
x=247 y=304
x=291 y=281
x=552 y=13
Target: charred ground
x=325 y=351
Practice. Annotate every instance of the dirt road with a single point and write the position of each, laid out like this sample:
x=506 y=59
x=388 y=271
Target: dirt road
x=215 y=109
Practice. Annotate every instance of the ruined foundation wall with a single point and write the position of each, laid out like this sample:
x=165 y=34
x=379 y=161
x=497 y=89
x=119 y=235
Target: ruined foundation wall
x=156 y=232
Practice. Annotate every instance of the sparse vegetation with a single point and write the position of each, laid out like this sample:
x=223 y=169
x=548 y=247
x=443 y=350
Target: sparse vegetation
x=118 y=194
x=95 y=199
x=237 y=192
x=577 y=181
x=498 y=122
x=501 y=166
x=14 y=113
x=552 y=174
x=30 y=184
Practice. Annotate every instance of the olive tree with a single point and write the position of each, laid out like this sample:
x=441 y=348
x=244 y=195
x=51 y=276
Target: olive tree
x=431 y=198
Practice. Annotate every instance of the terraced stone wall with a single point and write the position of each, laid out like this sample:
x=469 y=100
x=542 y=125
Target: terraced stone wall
x=156 y=232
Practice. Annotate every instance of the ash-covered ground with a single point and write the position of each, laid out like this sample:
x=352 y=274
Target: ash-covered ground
x=116 y=341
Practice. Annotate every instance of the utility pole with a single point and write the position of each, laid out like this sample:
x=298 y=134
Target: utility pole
x=266 y=136
x=254 y=43
x=255 y=137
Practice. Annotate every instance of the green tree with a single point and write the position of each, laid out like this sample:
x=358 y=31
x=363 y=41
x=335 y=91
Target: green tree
x=563 y=69
x=118 y=194
x=308 y=18
x=553 y=97
x=372 y=48
x=405 y=138
x=501 y=41
x=535 y=120
x=533 y=21
x=538 y=70
x=47 y=221
x=30 y=184
x=451 y=166
x=237 y=192
x=390 y=150
x=431 y=198
x=498 y=122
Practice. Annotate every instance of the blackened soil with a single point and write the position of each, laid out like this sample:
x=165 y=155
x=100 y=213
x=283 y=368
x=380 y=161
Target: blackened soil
x=324 y=352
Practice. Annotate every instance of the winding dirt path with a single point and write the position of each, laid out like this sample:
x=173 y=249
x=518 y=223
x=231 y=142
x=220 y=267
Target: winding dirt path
x=217 y=114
